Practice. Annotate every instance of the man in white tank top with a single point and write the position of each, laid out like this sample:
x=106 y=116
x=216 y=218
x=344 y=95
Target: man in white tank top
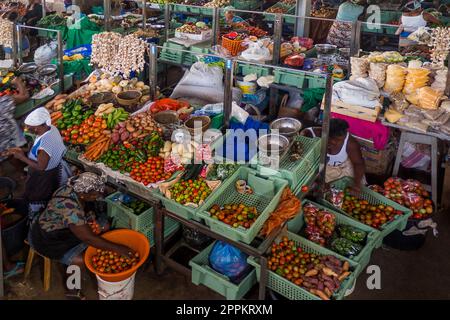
x=344 y=158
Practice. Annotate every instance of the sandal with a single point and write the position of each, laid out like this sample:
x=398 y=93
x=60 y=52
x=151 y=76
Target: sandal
x=75 y=295
x=19 y=268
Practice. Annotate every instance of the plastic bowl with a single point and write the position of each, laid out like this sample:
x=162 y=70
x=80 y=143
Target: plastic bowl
x=130 y=238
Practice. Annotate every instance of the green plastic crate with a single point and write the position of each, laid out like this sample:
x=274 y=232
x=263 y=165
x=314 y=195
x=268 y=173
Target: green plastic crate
x=293 y=292
x=246 y=4
x=265 y=197
x=363 y=257
x=399 y=223
x=181 y=8
x=175 y=57
x=318 y=81
x=126 y=217
x=170 y=227
x=202 y=273
x=290 y=78
x=246 y=69
x=295 y=171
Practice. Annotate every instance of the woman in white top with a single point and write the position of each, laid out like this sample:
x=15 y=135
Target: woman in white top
x=413 y=17
x=344 y=158
x=47 y=170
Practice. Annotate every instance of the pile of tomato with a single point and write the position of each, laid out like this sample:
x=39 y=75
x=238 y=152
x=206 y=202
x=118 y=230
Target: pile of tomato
x=111 y=262
x=235 y=215
x=151 y=171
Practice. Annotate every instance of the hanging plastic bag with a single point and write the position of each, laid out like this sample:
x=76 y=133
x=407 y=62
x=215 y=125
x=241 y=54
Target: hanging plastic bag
x=228 y=260
x=46 y=53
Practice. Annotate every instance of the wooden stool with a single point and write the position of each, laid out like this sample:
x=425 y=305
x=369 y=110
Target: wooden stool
x=47 y=267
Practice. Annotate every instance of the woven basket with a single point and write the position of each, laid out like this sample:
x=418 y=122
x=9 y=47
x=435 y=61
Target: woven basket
x=233 y=46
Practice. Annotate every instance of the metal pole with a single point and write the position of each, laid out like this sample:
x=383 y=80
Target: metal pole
x=153 y=71
x=14 y=45
x=167 y=20
x=355 y=43
x=325 y=130
x=61 y=60
x=303 y=9
x=228 y=92
x=277 y=34
x=2 y=289
x=19 y=44
x=144 y=14
x=107 y=12
x=216 y=25
x=44 y=4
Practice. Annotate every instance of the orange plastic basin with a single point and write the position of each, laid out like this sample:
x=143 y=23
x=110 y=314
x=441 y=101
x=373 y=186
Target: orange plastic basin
x=130 y=238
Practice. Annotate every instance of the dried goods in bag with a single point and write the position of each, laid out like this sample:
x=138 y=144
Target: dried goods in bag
x=395 y=78
x=429 y=98
x=415 y=79
x=377 y=72
x=360 y=67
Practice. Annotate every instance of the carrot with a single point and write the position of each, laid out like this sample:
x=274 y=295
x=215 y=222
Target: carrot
x=98 y=141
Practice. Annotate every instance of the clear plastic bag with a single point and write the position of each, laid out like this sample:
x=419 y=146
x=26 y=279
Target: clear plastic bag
x=345 y=247
x=352 y=234
x=336 y=197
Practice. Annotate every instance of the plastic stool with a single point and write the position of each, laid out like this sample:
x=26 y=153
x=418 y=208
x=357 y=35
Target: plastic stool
x=421 y=139
x=47 y=267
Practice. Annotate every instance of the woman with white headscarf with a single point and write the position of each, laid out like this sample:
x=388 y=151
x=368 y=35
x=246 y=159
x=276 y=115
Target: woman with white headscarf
x=47 y=170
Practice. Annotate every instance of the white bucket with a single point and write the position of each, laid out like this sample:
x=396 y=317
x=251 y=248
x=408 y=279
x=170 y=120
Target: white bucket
x=122 y=290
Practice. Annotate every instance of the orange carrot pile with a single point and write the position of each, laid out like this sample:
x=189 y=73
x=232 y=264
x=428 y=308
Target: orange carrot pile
x=98 y=148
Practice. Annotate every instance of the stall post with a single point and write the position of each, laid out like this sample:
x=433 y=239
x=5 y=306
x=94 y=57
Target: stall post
x=153 y=71
x=107 y=11
x=228 y=92
x=277 y=34
x=355 y=43
x=302 y=9
x=19 y=44
x=60 y=60
x=2 y=292
x=325 y=130
x=144 y=14
x=44 y=5
x=216 y=25
x=167 y=21
x=447 y=87
x=14 y=45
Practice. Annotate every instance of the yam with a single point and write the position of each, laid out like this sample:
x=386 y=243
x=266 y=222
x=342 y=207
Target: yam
x=346 y=266
x=320 y=294
x=329 y=272
x=167 y=146
x=311 y=273
x=343 y=276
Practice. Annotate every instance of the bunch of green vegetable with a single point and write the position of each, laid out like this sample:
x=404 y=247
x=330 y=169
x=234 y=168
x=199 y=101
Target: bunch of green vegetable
x=74 y=113
x=222 y=171
x=346 y=247
x=52 y=20
x=352 y=234
x=348 y=241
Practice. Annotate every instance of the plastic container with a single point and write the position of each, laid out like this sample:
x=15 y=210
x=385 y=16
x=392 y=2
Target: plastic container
x=14 y=236
x=399 y=241
x=126 y=216
x=266 y=195
x=364 y=255
x=121 y=290
x=289 y=78
x=294 y=171
x=170 y=227
x=293 y=292
x=400 y=221
x=247 y=87
x=246 y=69
x=233 y=46
x=130 y=238
x=202 y=273
x=185 y=212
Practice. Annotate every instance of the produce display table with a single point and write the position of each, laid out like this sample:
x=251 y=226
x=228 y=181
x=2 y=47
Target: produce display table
x=26 y=107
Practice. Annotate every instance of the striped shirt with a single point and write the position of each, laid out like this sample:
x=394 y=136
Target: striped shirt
x=52 y=143
x=10 y=134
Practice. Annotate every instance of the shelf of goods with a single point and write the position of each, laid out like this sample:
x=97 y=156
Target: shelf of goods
x=171 y=53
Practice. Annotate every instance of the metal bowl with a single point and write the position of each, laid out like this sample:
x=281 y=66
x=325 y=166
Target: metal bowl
x=273 y=144
x=325 y=48
x=47 y=70
x=288 y=127
x=28 y=68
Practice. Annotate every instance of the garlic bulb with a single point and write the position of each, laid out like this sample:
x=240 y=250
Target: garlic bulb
x=6 y=33
x=440 y=44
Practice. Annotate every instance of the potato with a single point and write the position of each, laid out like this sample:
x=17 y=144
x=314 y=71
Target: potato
x=167 y=146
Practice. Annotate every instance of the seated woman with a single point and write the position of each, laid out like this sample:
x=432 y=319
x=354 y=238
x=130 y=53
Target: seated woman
x=344 y=158
x=62 y=231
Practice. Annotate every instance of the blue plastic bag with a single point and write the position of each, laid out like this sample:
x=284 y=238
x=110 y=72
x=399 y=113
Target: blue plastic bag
x=228 y=260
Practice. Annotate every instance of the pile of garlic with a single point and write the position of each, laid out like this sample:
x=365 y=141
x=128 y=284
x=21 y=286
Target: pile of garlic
x=6 y=33
x=118 y=55
x=440 y=44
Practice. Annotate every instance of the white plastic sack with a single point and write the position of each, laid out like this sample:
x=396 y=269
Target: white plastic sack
x=202 y=75
x=360 y=92
x=414 y=158
x=46 y=53
x=256 y=52
x=209 y=95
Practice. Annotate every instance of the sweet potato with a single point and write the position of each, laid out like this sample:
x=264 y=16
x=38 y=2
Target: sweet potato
x=328 y=292
x=320 y=294
x=329 y=272
x=343 y=276
x=124 y=136
x=320 y=286
x=311 y=273
x=346 y=266
x=329 y=285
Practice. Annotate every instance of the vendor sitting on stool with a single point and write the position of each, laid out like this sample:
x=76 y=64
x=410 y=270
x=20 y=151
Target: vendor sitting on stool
x=62 y=230
x=230 y=18
x=344 y=158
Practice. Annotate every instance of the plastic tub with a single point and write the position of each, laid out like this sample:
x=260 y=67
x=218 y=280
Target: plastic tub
x=247 y=87
x=133 y=239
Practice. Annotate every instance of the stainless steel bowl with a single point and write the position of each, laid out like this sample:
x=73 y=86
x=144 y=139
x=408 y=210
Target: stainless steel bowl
x=273 y=144
x=47 y=70
x=325 y=48
x=288 y=127
x=28 y=68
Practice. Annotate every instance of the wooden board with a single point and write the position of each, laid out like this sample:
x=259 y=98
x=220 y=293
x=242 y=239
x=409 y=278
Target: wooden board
x=354 y=111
